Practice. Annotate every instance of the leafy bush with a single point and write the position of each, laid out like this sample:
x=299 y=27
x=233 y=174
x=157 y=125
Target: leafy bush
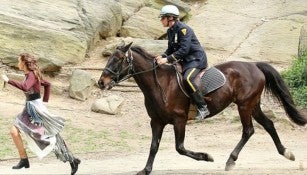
x=296 y=78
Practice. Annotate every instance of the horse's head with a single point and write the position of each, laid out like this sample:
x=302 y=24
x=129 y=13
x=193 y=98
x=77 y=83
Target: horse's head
x=118 y=67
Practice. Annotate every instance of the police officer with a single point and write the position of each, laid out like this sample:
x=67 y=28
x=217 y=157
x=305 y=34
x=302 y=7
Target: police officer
x=184 y=47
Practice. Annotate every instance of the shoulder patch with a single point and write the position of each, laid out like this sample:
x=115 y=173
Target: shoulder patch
x=184 y=31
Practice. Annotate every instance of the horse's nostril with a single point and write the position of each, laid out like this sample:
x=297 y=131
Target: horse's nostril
x=100 y=84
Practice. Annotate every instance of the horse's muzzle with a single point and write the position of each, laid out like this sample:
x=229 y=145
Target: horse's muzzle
x=107 y=86
x=101 y=85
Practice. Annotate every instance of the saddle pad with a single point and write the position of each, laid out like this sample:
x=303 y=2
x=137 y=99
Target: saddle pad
x=211 y=80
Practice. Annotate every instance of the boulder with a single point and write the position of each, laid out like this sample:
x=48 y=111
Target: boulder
x=108 y=105
x=80 y=85
x=145 y=17
x=129 y=7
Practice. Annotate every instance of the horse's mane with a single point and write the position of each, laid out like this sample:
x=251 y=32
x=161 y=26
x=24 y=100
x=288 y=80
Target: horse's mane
x=142 y=52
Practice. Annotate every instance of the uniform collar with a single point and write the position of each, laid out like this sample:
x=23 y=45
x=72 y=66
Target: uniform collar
x=175 y=26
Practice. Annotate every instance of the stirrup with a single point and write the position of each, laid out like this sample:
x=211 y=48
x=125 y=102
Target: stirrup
x=202 y=113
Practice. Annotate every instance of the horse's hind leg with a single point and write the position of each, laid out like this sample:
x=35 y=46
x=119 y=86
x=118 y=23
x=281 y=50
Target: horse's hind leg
x=179 y=130
x=268 y=125
x=157 y=130
x=248 y=131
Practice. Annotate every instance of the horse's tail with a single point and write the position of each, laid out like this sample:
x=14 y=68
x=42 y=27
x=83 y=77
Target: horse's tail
x=276 y=85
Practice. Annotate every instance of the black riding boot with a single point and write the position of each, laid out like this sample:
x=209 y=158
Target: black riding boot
x=74 y=165
x=202 y=110
x=22 y=163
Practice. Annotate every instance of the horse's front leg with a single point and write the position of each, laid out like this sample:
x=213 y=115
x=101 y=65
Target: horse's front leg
x=157 y=130
x=179 y=129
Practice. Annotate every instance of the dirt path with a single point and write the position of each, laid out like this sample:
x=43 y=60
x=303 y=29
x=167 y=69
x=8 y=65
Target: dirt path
x=258 y=157
x=216 y=136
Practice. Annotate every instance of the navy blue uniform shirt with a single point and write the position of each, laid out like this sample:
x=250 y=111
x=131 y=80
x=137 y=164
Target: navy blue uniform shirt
x=184 y=46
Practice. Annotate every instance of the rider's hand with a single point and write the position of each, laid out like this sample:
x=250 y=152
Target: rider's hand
x=161 y=60
x=5 y=78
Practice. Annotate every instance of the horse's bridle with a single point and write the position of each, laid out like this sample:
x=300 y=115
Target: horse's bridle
x=117 y=74
x=131 y=71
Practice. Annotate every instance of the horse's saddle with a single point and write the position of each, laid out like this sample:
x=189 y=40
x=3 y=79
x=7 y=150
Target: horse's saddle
x=209 y=80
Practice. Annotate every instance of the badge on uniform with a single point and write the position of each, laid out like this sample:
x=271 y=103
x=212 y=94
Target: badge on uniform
x=184 y=31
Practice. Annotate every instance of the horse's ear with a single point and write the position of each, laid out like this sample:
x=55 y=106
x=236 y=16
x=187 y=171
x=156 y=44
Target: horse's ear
x=127 y=47
x=121 y=44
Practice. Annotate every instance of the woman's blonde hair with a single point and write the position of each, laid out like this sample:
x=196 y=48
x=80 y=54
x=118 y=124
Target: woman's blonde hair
x=31 y=63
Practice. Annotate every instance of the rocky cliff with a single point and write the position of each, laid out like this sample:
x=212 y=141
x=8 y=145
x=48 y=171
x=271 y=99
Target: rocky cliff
x=63 y=32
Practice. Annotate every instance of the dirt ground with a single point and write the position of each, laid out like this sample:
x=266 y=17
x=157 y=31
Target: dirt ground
x=217 y=136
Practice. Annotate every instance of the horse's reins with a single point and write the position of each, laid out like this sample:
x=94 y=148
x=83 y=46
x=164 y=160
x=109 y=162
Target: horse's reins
x=132 y=73
x=157 y=80
x=154 y=67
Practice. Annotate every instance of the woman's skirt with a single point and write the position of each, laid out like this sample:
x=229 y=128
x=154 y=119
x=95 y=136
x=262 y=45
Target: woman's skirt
x=42 y=129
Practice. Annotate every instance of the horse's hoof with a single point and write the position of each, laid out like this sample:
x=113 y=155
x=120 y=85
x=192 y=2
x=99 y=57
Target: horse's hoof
x=288 y=154
x=230 y=166
x=143 y=172
x=210 y=158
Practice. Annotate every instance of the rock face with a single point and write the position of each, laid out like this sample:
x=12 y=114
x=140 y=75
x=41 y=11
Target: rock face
x=65 y=32
x=60 y=32
x=250 y=30
x=145 y=17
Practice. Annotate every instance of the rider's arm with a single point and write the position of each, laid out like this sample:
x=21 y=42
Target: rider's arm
x=169 y=49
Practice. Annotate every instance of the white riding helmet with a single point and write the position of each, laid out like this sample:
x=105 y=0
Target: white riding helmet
x=169 y=10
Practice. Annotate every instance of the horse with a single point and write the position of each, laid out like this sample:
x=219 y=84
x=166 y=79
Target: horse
x=166 y=102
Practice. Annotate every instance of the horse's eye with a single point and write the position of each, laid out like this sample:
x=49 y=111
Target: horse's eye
x=117 y=59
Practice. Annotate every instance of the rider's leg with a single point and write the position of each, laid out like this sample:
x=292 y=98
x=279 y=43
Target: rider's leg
x=195 y=94
x=202 y=110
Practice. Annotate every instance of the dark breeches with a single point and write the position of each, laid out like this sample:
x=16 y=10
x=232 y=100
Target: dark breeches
x=188 y=79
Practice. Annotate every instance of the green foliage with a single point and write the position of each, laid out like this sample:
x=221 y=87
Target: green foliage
x=296 y=78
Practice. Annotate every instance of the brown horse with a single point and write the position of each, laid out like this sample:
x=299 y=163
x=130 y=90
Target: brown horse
x=166 y=103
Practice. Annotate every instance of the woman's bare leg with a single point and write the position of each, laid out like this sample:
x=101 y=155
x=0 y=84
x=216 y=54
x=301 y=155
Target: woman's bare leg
x=18 y=142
